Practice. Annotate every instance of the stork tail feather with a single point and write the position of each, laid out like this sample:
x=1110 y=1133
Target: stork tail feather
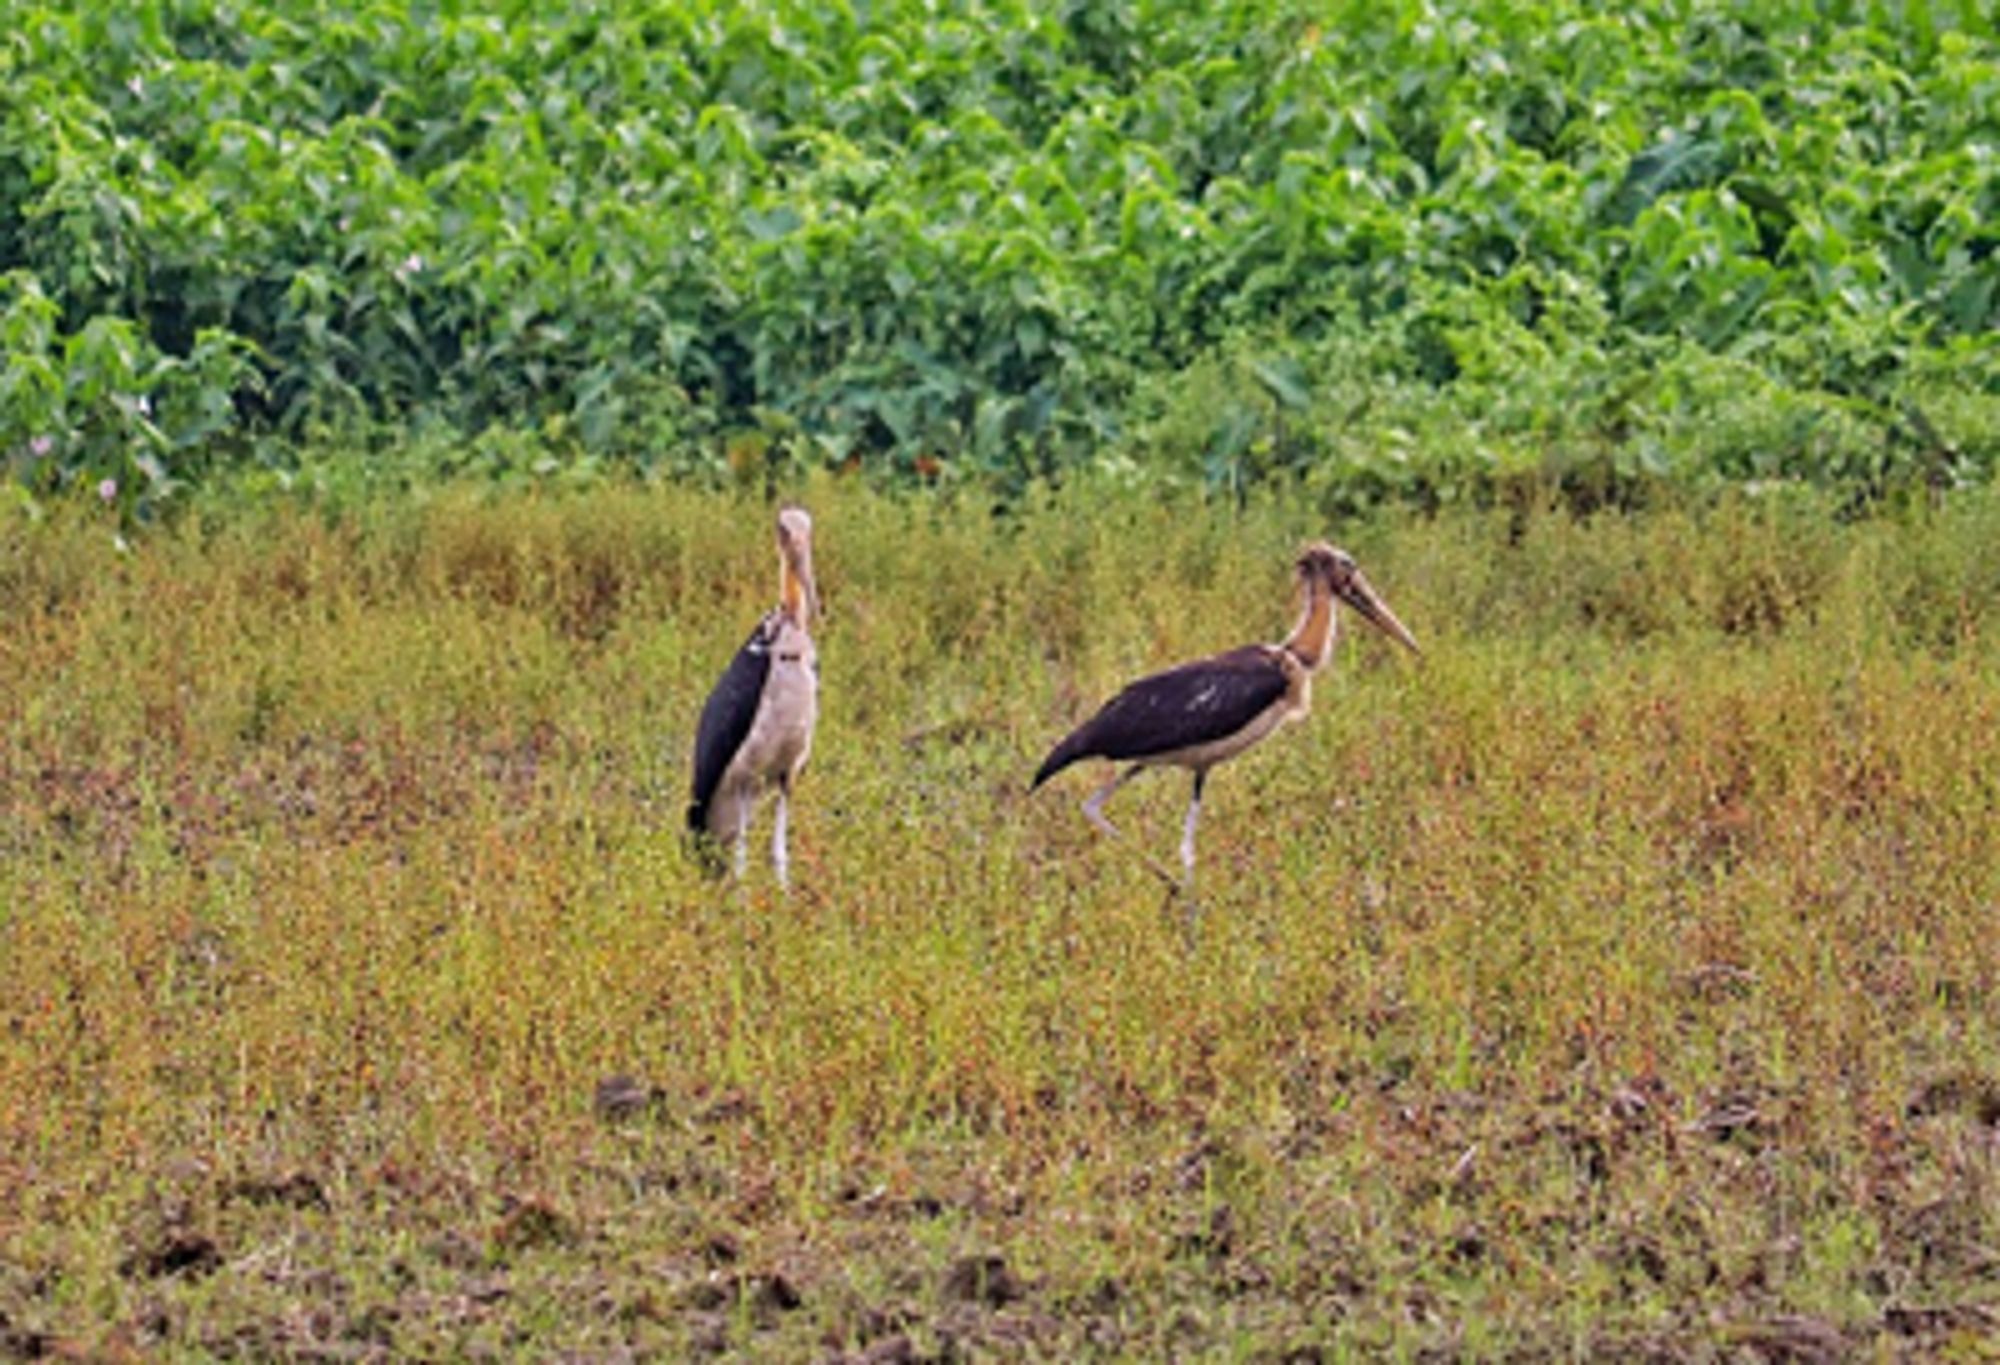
x=1060 y=757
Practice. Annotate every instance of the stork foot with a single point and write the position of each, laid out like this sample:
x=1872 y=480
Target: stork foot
x=1153 y=865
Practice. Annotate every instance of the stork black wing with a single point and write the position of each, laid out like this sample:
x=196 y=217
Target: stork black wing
x=726 y=718
x=1196 y=703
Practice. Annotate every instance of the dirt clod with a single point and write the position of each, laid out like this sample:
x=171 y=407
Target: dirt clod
x=766 y=1294
x=1794 y=1339
x=622 y=1097
x=1215 y=1238
x=179 y=1252
x=296 y=1189
x=1966 y=1093
x=526 y=1223
x=893 y=1350
x=985 y=1280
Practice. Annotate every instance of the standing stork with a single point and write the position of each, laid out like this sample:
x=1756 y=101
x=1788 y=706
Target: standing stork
x=1201 y=713
x=757 y=726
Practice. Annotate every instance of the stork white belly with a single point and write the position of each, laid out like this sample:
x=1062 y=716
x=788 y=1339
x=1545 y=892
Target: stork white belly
x=781 y=735
x=1290 y=706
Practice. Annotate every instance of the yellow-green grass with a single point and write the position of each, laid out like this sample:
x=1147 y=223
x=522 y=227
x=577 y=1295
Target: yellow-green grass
x=1620 y=976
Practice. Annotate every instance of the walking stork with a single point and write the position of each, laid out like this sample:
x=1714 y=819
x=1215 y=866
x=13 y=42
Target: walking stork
x=757 y=726
x=1201 y=713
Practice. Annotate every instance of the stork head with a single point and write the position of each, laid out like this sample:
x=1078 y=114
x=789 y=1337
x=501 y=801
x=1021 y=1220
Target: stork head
x=796 y=592
x=1321 y=565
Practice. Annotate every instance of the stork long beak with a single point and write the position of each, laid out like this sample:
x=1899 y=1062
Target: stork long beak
x=1360 y=595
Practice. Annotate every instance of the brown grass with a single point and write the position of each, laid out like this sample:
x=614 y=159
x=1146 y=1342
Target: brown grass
x=1620 y=979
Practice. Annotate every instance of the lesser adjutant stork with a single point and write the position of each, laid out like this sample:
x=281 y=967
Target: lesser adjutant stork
x=1201 y=713
x=757 y=726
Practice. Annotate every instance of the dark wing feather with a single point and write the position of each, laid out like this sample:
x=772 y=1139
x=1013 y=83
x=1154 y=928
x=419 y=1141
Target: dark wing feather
x=726 y=719
x=1192 y=704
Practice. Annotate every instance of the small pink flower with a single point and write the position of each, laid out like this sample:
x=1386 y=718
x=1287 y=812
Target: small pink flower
x=409 y=266
x=108 y=490
x=41 y=446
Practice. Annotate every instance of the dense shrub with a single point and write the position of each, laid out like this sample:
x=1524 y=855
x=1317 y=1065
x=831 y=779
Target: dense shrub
x=1426 y=244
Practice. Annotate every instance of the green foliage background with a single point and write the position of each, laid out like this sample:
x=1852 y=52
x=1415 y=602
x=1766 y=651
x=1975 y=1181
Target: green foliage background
x=1422 y=249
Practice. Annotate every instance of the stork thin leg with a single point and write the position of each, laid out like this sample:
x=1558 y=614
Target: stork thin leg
x=1193 y=819
x=1093 y=806
x=743 y=807
x=1093 y=810
x=781 y=861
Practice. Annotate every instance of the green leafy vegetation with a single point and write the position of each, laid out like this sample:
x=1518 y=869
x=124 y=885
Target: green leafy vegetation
x=1615 y=980
x=1424 y=249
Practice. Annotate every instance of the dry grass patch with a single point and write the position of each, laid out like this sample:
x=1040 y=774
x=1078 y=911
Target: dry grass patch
x=1620 y=978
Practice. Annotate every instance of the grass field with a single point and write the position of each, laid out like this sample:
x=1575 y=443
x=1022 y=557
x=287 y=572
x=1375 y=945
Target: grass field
x=1619 y=978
